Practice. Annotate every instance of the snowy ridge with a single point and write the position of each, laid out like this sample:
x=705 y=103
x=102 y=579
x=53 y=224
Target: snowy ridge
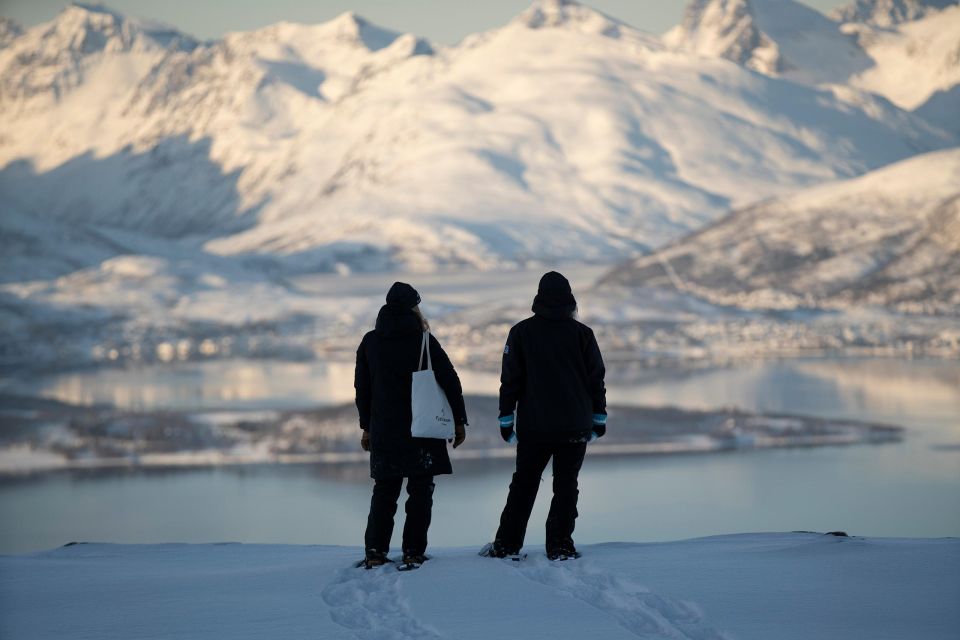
x=887 y=13
x=568 y=14
x=904 y=50
x=777 y=37
x=48 y=61
x=9 y=30
x=916 y=65
x=726 y=29
x=346 y=146
x=890 y=238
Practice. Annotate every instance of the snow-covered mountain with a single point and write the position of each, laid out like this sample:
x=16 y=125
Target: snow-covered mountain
x=905 y=50
x=564 y=134
x=158 y=193
x=774 y=37
x=8 y=31
x=891 y=238
x=52 y=59
x=887 y=13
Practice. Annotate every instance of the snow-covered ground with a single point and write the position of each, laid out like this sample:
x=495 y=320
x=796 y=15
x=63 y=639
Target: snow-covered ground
x=788 y=586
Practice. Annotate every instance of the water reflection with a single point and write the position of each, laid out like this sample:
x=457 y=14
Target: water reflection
x=238 y=384
x=906 y=489
x=875 y=389
x=892 y=387
x=837 y=388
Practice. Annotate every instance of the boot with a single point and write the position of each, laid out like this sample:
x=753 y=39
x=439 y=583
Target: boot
x=414 y=558
x=562 y=550
x=497 y=549
x=374 y=559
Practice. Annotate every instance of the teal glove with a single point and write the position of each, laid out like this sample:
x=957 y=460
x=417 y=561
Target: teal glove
x=599 y=428
x=506 y=429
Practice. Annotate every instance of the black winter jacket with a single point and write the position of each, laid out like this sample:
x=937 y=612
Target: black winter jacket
x=553 y=374
x=386 y=360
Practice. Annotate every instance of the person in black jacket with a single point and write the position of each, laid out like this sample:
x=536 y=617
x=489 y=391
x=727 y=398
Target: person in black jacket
x=553 y=375
x=386 y=360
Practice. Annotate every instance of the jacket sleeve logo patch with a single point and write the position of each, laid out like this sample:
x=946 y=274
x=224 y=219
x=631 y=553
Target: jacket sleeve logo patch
x=506 y=349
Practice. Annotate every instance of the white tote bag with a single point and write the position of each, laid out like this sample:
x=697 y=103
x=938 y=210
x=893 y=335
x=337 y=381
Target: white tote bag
x=432 y=415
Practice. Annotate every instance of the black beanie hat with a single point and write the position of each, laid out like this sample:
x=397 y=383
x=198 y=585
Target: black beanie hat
x=403 y=295
x=554 y=293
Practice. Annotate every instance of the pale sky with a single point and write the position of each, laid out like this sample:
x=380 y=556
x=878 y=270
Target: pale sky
x=445 y=21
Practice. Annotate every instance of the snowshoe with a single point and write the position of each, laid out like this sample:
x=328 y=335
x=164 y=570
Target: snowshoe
x=412 y=561
x=373 y=560
x=561 y=553
x=496 y=550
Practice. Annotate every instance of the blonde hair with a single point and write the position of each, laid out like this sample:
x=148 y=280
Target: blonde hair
x=423 y=318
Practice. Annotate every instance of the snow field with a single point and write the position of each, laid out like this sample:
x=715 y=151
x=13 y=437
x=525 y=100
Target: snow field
x=749 y=586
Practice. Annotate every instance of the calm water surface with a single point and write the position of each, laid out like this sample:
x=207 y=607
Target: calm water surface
x=906 y=489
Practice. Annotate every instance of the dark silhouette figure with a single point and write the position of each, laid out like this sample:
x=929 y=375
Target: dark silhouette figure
x=386 y=360
x=553 y=375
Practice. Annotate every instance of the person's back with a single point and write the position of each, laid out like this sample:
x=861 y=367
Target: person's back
x=391 y=355
x=553 y=375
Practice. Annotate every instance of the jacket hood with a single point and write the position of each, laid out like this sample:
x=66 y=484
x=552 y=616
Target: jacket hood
x=403 y=294
x=554 y=297
x=397 y=320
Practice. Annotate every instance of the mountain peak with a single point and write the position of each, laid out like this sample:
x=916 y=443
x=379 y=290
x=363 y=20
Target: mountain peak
x=96 y=8
x=726 y=29
x=91 y=28
x=8 y=31
x=63 y=47
x=545 y=14
x=353 y=28
x=888 y=13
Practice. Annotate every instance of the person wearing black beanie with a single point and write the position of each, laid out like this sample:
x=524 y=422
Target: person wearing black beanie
x=553 y=376
x=403 y=295
x=386 y=360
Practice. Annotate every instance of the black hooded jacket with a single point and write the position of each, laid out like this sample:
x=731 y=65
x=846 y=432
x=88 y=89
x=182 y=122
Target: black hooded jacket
x=552 y=370
x=386 y=360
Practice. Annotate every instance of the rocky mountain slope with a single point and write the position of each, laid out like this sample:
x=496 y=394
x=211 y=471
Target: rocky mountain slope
x=888 y=13
x=890 y=238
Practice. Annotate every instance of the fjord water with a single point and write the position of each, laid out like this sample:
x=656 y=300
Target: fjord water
x=910 y=488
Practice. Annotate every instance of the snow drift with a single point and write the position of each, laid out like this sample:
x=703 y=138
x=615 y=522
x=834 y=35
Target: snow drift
x=790 y=586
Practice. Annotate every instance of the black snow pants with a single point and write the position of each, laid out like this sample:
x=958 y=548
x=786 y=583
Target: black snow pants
x=383 y=506
x=532 y=458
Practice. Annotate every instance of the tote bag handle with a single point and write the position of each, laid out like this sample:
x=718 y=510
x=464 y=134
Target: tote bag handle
x=425 y=346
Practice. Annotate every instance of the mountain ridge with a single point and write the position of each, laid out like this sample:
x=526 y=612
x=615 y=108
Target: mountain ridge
x=907 y=57
x=887 y=13
x=888 y=238
x=321 y=146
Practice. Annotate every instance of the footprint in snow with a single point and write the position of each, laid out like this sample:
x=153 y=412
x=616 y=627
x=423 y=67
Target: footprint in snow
x=633 y=606
x=371 y=606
